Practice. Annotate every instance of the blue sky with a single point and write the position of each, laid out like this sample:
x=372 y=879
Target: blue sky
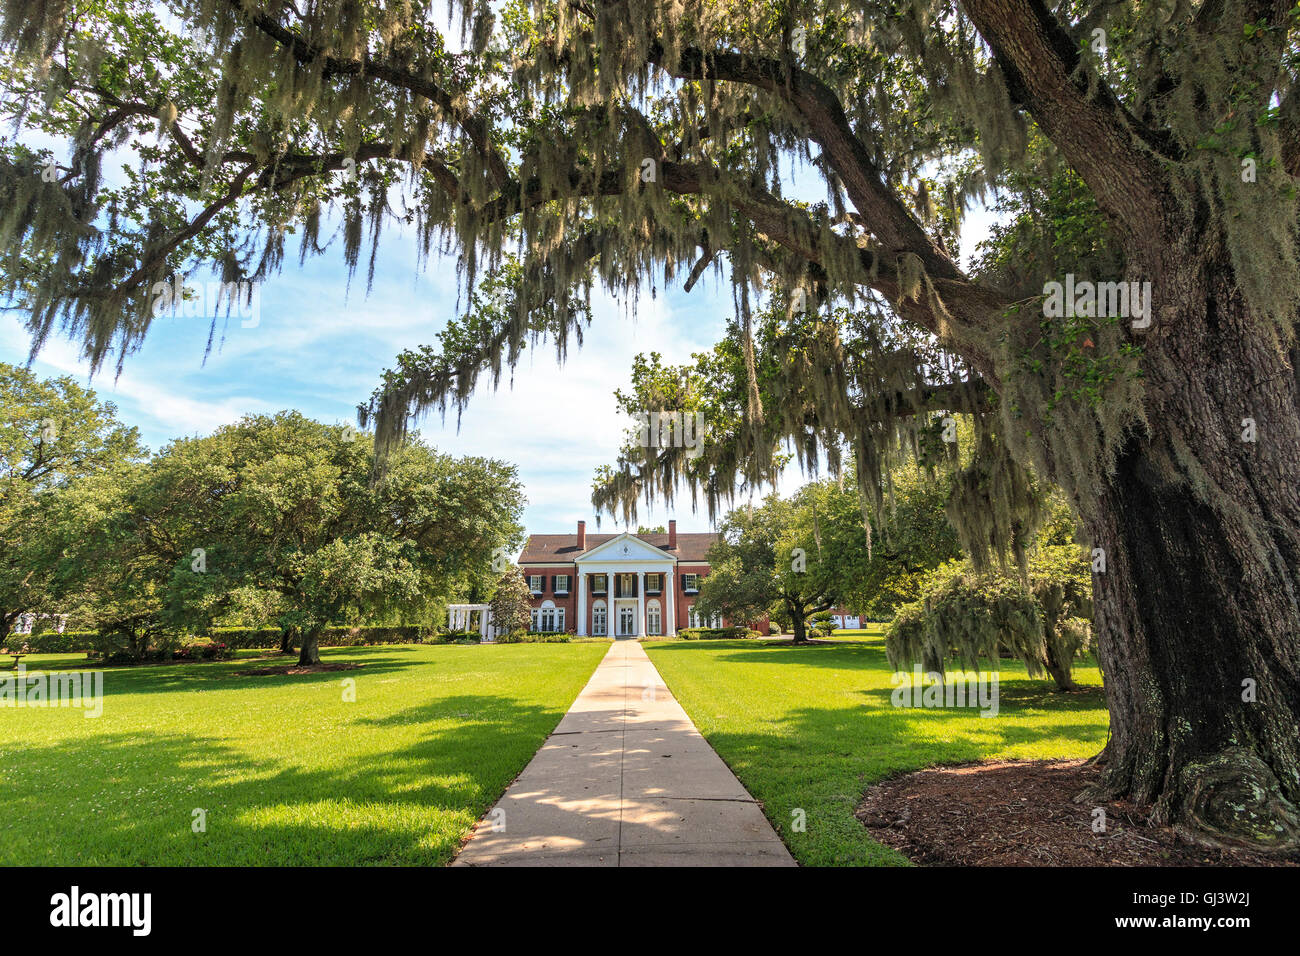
x=320 y=348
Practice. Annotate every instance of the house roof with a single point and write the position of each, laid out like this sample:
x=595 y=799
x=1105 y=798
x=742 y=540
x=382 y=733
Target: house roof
x=550 y=548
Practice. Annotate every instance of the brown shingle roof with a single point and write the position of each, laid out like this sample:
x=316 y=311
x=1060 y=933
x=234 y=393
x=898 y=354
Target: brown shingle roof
x=550 y=548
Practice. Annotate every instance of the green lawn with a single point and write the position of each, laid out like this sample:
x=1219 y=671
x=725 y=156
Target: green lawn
x=287 y=771
x=811 y=728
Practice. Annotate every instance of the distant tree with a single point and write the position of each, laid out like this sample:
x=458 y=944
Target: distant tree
x=112 y=576
x=300 y=516
x=511 y=604
x=278 y=515
x=53 y=433
x=657 y=529
x=761 y=559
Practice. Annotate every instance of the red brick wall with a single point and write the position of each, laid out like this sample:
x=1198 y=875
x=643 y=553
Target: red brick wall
x=569 y=603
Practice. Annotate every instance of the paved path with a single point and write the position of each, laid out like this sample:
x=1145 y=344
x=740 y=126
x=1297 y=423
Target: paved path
x=626 y=780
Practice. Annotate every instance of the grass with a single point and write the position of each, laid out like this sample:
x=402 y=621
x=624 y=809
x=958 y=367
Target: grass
x=810 y=728
x=286 y=770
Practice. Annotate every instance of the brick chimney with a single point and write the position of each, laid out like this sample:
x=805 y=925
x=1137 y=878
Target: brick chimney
x=582 y=536
x=672 y=533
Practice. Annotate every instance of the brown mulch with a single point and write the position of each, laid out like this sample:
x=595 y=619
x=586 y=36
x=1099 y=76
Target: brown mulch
x=1022 y=813
x=294 y=669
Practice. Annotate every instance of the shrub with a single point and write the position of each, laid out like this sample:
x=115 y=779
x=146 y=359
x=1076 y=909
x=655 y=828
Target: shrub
x=262 y=637
x=535 y=637
x=822 y=623
x=716 y=633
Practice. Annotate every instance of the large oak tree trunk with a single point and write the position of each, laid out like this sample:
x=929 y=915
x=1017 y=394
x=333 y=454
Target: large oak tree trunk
x=798 y=625
x=1198 y=610
x=310 y=653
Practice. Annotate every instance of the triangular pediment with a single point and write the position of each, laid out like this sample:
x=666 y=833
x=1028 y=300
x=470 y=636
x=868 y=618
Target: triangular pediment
x=625 y=547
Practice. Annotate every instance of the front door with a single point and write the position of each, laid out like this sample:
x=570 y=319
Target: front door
x=627 y=621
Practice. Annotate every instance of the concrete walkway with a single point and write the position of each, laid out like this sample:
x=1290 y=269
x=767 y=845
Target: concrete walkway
x=625 y=780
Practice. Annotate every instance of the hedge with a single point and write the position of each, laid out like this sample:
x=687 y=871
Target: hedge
x=251 y=637
x=236 y=638
x=52 y=642
x=716 y=633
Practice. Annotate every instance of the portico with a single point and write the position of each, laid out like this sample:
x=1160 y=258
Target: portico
x=629 y=586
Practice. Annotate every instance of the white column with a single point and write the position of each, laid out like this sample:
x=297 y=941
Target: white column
x=670 y=601
x=640 y=604
x=582 y=603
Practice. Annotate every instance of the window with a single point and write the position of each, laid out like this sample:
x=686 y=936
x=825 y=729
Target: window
x=536 y=624
x=548 y=618
x=599 y=583
x=561 y=584
x=626 y=585
x=535 y=583
x=598 y=619
x=697 y=621
x=654 y=584
x=653 y=619
x=691 y=583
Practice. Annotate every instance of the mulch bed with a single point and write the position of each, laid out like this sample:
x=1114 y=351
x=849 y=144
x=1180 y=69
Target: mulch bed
x=293 y=670
x=1022 y=813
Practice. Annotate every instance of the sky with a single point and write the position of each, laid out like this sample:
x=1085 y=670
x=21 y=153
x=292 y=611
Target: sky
x=320 y=346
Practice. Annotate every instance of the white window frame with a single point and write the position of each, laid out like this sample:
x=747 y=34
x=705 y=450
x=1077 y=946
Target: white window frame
x=599 y=619
x=538 y=579
x=692 y=584
x=602 y=588
x=654 y=619
x=558 y=588
x=698 y=622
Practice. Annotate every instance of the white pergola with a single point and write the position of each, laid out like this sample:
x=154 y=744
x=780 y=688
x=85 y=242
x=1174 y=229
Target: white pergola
x=459 y=617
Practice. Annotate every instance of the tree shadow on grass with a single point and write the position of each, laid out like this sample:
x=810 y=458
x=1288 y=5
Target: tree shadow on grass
x=839 y=655
x=128 y=799
x=1018 y=693
x=231 y=675
x=816 y=763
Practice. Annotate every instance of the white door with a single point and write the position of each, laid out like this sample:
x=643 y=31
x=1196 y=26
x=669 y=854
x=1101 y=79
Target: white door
x=626 y=621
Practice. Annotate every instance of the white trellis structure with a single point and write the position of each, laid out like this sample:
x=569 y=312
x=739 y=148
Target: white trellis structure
x=460 y=617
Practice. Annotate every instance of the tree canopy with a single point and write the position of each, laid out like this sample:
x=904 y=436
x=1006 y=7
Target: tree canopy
x=53 y=434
